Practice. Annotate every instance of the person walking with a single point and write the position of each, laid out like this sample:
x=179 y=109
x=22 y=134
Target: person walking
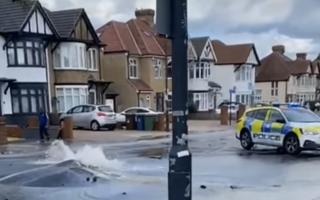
x=43 y=126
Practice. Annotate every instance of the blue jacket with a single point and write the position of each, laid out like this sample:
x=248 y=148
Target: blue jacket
x=43 y=119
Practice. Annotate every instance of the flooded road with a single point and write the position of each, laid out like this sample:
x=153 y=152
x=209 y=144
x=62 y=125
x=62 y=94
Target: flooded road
x=138 y=170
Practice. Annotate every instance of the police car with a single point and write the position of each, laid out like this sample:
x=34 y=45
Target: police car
x=291 y=128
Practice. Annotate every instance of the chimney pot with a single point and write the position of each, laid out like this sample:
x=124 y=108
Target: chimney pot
x=279 y=49
x=146 y=15
x=302 y=56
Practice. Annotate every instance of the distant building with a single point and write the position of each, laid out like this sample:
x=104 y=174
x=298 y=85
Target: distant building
x=234 y=69
x=202 y=88
x=281 y=79
x=136 y=59
x=48 y=60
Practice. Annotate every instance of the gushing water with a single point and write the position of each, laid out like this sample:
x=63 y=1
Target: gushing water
x=92 y=157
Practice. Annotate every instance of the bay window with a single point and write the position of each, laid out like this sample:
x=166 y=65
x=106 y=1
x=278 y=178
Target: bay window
x=244 y=73
x=199 y=70
x=68 y=97
x=26 y=53
x=75 y=56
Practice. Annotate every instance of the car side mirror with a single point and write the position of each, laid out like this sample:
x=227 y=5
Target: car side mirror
x=281 y=121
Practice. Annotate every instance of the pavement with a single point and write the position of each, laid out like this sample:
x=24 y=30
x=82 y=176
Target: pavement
x=195 y=126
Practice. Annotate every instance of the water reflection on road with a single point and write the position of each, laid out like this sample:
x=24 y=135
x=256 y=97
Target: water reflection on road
x=138 y=170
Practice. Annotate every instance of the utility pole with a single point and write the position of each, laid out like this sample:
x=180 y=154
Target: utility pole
x=172 y=21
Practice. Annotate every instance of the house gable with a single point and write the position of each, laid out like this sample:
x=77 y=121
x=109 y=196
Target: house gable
x=207 y=52
x=309 y=71
x=192 y=55
x=83 y=29
x=316 y=69
x=38 y=22
x=252 y=58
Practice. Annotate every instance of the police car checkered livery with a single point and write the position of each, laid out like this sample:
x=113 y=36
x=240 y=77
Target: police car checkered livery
x=291 y=128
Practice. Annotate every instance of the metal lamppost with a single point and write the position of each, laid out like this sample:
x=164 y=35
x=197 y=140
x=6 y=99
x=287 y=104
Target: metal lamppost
x=172 y=21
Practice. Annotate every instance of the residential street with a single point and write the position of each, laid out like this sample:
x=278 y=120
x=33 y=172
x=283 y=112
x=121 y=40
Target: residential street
x=137 y=169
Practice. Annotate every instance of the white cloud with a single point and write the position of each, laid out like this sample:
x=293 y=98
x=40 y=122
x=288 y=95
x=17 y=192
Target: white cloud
x=265 y=41
x=232 y=21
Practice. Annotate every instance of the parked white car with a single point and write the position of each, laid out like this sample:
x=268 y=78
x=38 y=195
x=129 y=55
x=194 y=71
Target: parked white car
x=233 y=106
x=121 y=117
x=92 y=117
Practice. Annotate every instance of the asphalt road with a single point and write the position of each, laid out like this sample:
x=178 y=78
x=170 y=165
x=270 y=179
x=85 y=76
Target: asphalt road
x=138 y=170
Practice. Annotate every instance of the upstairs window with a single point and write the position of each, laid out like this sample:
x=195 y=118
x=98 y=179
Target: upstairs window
x=157 y=69
x=244 y=73
x=92 y=59
x=199 y=70
x=26 y=53
x=75 y=56
x=133 y=68
x=274 y=88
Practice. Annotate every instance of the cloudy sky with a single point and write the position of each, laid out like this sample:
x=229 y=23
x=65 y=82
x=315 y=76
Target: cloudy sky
x=294 y=23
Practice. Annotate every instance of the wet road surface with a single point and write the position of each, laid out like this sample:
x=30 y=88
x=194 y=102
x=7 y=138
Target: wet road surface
x=138 y=170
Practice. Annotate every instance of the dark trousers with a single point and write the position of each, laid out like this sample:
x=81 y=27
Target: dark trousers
x=44 y=133
x=59 y=137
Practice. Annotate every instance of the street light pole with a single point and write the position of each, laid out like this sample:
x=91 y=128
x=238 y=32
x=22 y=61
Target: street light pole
x=172 y=22
x=179 y=176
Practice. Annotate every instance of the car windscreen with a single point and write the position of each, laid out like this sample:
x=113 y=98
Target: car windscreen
x=300 y=115
x=105 y=109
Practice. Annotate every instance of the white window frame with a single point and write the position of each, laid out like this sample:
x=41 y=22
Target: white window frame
x=83 y=92
x=203 y=99
x=93 y=59
x=157 y=68
x=133 y=68
x=258 y=96
x=75 y=55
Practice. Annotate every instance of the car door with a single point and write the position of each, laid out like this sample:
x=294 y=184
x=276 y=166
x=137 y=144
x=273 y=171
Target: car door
x=273 y=127
x=86 y=116
x=257 y=126
x=76 y=114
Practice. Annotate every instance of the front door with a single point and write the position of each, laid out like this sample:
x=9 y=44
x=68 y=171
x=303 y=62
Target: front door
x=111 y=103
x=160 y=102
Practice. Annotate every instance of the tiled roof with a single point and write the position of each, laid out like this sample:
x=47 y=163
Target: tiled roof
x=278 y=67
x=118 y=38
x=13 y=14
x=274 y=67
x=65 y=20
x=199 y=44
x=299 y=66
x=134 y=36
x=232 y=54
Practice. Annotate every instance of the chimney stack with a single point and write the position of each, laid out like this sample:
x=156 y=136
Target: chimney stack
x=146 y=15
x=278 y=49
x=302 y=56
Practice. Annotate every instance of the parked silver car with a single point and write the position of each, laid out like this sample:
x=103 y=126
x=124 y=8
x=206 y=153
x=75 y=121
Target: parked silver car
x=92 y=117
x=121 y=117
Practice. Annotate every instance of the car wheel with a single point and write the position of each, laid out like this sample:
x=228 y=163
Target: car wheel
x=245 y=140
x=95 y=126
x=292 y=145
